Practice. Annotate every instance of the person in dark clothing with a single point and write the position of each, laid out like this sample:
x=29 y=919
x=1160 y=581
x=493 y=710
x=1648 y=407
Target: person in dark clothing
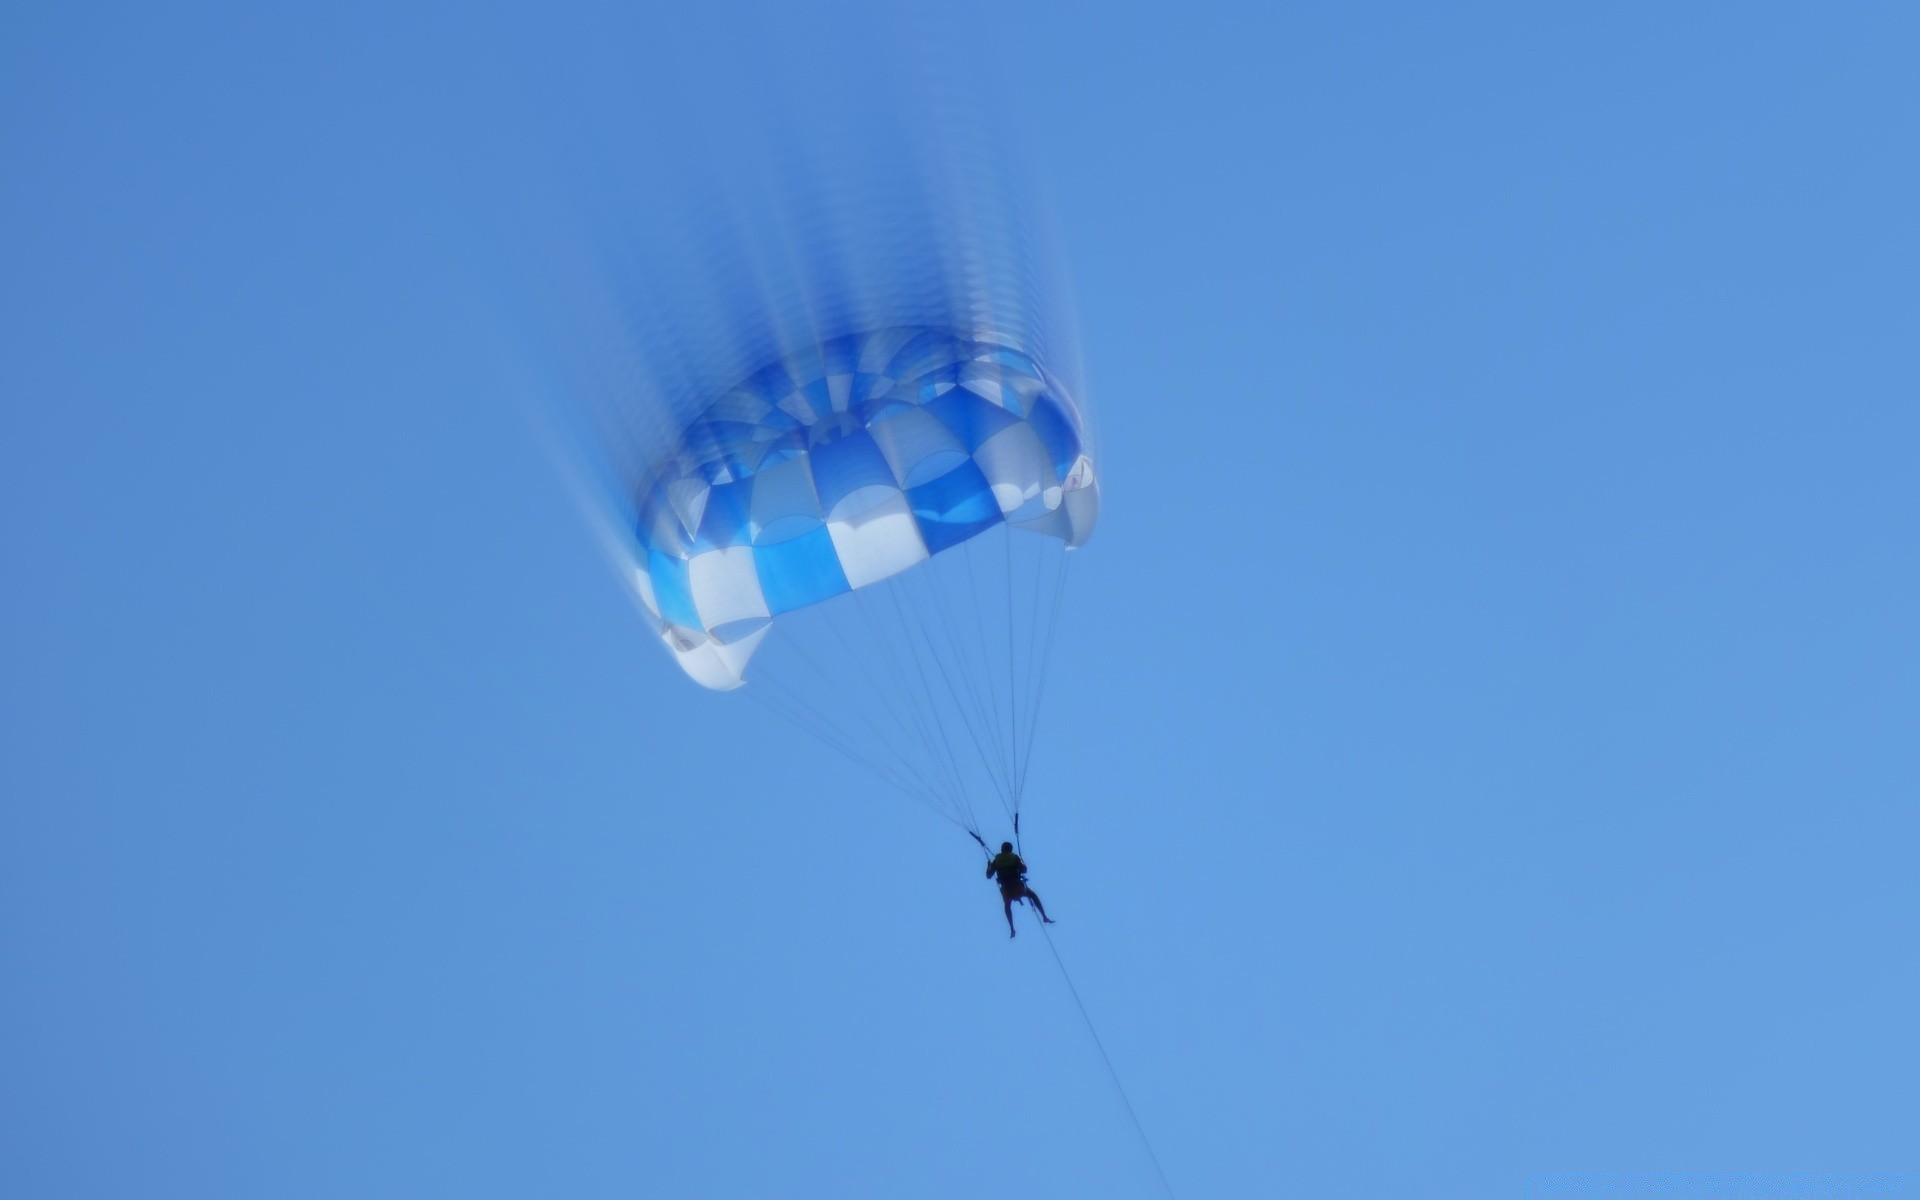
x=1012 y=874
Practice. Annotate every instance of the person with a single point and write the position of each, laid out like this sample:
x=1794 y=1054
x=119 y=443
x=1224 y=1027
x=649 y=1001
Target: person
x=1012 y=874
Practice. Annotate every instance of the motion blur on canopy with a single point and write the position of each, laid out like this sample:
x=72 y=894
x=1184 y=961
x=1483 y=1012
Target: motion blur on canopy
x=836 y=413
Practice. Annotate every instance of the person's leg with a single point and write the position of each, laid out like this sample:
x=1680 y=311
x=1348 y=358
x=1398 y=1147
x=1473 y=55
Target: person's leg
x=1006 y=902
x=1035 y=897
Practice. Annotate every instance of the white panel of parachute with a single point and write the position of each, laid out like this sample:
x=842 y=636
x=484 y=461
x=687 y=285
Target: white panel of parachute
x=843 y=466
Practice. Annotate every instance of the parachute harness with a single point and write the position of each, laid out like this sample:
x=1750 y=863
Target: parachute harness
x=975 y=835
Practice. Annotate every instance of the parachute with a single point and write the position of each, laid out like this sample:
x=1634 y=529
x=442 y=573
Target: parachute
x=870 y=538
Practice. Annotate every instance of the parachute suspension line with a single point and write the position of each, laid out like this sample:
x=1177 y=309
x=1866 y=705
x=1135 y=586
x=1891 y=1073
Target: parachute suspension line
x=808 y=722
x=991 y=693
x=830 y=735
x=1041 y=675
x=915 y=747
x=811 y=717
x=1106 y=1058
x=1035 y=665
x=935 y=804
x=903 y=762
x=1044 y=577
x=1046 y=656
x=983 y=735
x=1013 y=725
x=926 y=689
x=902 y=688
x=986 y=697
x=892 y=710
x=925 y=713
x=1023 y=685
x=946 y=677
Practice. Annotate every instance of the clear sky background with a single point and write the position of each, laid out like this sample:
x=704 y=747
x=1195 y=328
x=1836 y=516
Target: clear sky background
x=1482 y=746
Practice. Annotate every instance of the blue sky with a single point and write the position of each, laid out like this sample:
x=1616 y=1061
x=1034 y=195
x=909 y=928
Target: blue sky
x=1482 y=745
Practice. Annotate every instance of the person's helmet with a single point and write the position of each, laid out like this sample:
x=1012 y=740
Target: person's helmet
x=1006 y=847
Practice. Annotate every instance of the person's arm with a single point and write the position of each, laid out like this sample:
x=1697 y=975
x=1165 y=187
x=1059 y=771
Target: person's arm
x=989 y=868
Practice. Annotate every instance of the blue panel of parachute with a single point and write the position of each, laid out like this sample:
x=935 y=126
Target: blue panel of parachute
x=671 y=589
x=954 y=507
x=800 y=571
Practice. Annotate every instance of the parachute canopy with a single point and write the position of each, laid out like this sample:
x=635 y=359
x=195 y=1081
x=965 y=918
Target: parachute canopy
x=841 y=467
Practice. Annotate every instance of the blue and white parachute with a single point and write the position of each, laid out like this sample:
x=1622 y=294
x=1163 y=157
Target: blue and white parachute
x=840 y=454
x=840 y=468
x=870 y=538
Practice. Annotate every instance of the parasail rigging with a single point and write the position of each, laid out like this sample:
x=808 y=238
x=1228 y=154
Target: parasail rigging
x=870 y=537
x=831 y=406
